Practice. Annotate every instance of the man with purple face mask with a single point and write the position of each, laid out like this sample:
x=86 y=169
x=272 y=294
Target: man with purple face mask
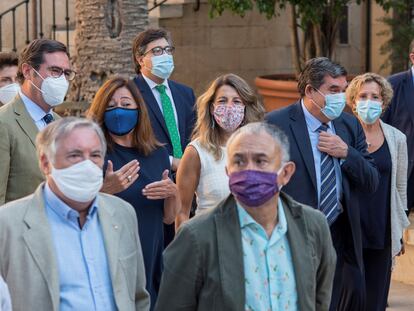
x=257 y=250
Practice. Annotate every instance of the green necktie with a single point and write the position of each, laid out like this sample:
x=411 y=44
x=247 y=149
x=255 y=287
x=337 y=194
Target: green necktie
x=169 y=118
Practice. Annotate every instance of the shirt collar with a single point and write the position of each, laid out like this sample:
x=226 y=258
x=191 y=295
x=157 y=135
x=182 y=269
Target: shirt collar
x=35 y=112
x=61 y=208
x=245 y=219
x=412 y=72
x=311 y=121
x=152 y=84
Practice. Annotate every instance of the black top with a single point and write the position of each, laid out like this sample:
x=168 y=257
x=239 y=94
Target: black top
x=375 y=207
x=149 y=212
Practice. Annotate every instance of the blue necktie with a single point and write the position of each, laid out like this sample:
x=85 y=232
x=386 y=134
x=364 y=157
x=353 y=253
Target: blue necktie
x=328 y=201
x=48 y=118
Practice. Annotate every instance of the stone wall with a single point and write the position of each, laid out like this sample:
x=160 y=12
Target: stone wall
x=249 y=46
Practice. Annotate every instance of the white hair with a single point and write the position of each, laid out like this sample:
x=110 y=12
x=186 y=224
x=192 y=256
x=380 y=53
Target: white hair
x=256 y=128
x=47 y=140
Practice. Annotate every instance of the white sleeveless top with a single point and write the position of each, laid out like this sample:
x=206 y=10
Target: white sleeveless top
x=213 y=185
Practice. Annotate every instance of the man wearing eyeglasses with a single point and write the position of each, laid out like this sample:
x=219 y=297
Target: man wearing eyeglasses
x=44 y=72
x=170 y=104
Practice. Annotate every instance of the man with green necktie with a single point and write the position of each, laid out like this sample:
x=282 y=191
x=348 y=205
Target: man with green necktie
x=170 y=104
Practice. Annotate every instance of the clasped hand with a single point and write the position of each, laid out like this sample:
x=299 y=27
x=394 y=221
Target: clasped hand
x=162 y=189
x=333 y=145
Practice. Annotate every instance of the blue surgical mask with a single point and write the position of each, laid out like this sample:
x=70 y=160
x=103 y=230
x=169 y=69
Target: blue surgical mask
x=334 y=104
x=369 y=110
x=121 y=121
x=162 y=66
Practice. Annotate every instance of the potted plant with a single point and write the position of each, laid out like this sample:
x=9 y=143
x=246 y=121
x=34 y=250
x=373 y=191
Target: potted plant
x=314 y=27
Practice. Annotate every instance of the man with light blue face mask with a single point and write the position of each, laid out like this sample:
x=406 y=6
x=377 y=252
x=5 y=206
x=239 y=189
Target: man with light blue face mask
x=170 y=104
x=332 y=166
x=44 y=72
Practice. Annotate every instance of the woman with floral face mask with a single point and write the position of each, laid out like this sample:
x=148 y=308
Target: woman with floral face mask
x=228 y=103
x=137 y=169
x=383 y=215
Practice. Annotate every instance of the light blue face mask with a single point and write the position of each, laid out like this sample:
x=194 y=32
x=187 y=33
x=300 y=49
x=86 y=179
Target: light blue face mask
x=334 y=104
x=162 y=66
x=369 y=110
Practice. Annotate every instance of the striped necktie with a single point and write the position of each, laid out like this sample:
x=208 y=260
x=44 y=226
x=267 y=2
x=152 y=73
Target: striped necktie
x=169 y=117
x=328 y=200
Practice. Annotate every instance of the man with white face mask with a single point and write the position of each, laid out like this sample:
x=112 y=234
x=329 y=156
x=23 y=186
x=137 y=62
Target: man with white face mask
x=333 y=167
x=8 y=82
x=170 y=104
x=67 y=246
x=44 y=73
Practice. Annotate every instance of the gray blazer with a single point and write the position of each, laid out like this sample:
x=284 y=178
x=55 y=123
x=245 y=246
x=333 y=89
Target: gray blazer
x=27 y=256
x=397 y=145
x=203 y=266
x=19 y=170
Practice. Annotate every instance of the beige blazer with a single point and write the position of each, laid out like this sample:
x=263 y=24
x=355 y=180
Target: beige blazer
x=397 y=145
x=27 y=256
x=19 y=169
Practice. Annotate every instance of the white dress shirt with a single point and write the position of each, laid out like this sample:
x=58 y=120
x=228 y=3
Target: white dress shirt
x=157 y=95
x=34 y=110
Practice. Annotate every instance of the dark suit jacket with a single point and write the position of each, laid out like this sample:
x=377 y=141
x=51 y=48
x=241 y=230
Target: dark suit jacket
x=359 y=173
x=184 y=101
x=203 y=266
x=400 y=114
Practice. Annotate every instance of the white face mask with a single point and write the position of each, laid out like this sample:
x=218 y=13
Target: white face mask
x=9 y=92
x=53 y=89
x=80 y=182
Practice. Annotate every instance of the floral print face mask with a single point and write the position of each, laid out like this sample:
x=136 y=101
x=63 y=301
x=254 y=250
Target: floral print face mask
x=229 y=117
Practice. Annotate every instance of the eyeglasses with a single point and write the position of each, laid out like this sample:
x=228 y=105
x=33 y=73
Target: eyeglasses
x=158 y=50
x=56 y=72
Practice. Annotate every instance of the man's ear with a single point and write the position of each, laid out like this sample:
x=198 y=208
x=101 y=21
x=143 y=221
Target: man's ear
x=309 y=90
x=45 y=165
x=26 y=68
x=412 y=58
x=288 y=171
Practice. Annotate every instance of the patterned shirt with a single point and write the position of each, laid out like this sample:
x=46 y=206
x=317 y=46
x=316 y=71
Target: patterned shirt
x=268 y=268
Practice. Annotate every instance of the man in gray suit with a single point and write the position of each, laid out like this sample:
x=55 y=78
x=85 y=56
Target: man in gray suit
x=44 y=73
x=68 y=247
x=259 y=249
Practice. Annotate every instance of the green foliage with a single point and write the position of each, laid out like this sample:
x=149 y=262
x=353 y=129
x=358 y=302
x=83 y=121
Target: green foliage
x=401 y=34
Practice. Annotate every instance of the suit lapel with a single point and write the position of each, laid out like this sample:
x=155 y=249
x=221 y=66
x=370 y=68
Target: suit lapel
x=24 y=120
x=230 y=256
x=300 y=132
x=341 y=130
x=409 y=92
x=111 y=231
x=180 y=112
x=299 y=247
x=151 y=102
x=37 y=238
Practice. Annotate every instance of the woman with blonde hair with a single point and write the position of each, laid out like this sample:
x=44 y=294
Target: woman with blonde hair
x=383 y=215
x=137 y=169
x=228 y=103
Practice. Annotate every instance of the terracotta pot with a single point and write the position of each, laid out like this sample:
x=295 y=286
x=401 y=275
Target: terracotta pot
x=277 y=90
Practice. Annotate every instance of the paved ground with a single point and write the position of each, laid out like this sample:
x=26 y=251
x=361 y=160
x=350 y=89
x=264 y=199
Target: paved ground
x=401 y=297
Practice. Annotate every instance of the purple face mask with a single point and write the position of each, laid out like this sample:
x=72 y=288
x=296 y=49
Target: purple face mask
x=253 y=188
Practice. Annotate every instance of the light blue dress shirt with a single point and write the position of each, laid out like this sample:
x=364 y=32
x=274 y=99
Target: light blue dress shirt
x=35 y=112
x=313 y=125
x=268 y=268
x=84 y=277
